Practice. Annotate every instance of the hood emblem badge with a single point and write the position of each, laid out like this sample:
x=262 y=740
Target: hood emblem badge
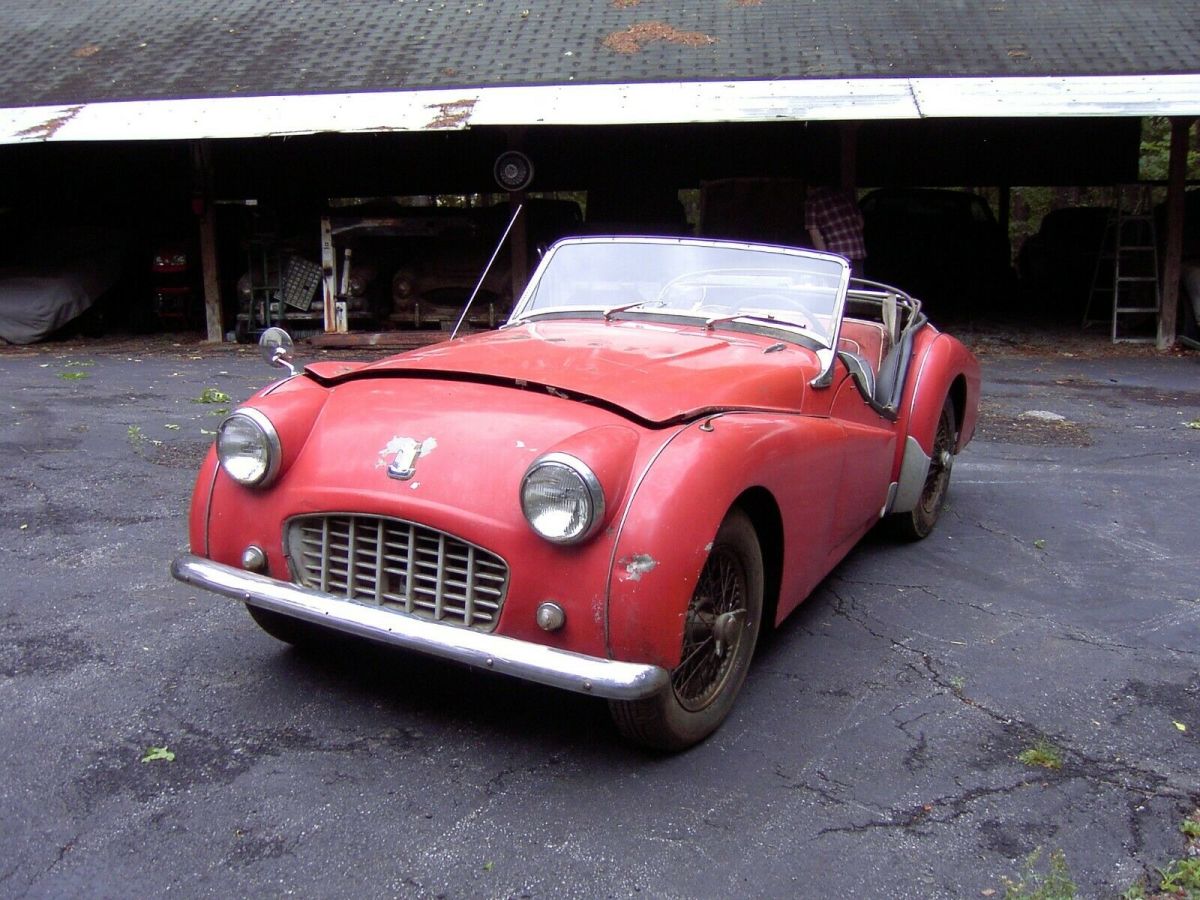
x=401 y=455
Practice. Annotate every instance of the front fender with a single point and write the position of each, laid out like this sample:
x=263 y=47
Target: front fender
x=680 y=501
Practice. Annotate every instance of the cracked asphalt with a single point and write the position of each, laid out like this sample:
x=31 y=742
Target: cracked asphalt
x=873 y=752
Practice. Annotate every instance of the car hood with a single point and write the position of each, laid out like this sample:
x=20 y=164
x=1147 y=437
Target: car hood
x=657 y=373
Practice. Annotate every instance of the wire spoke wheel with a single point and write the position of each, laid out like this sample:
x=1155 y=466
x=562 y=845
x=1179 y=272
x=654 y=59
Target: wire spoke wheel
x=711 y=633
x=918 y=523
x=938 y=479
x=720 y=630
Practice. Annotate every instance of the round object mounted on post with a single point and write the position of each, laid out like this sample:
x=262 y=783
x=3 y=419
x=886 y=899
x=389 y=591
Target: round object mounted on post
x=513 y=171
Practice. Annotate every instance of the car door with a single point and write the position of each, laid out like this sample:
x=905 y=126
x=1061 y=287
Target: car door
x=870 y=447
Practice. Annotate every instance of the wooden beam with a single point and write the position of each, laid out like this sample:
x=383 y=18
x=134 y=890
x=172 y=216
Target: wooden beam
x=202 y=169
x=1172 y=264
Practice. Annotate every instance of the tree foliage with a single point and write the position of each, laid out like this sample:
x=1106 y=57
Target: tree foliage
x=1156 y=150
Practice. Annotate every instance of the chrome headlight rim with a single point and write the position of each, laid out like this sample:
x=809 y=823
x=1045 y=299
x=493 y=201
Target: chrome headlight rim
x=589 y=482
x=270 y=438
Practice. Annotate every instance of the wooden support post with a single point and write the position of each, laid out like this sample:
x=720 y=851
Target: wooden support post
x=328 y=276
x=202 y=168
x=1172 y=264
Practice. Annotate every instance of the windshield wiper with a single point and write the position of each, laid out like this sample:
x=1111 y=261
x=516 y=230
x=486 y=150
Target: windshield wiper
x=613 y=310
x=770 y=320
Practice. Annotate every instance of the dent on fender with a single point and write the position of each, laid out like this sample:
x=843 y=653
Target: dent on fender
x=638 y=565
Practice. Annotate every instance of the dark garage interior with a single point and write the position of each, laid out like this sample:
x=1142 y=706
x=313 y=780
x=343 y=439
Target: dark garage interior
x=202 y=222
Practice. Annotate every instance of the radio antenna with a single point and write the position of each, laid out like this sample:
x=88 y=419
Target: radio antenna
x=466 y=309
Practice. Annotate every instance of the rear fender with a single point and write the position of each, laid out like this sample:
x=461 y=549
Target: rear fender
x=943 y=369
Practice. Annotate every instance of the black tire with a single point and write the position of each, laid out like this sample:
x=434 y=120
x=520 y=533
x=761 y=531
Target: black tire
x=292 y=631
x=918 y=522
x=728 y=598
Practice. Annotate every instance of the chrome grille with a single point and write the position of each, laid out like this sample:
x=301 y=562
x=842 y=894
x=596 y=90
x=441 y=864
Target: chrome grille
x=399 y=565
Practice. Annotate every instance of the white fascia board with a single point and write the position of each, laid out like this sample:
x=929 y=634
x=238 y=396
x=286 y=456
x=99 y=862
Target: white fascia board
x=449 y=110
x=1032 y=97
x=697 y=102
x=615 y=104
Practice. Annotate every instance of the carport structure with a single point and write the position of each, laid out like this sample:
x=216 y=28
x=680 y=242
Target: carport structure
x=303 y=101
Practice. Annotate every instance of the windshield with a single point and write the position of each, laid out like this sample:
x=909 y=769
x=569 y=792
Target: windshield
x=709 y=281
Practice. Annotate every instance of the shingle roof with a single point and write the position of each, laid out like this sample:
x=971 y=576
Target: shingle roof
x=82 y=51
x=150 y=69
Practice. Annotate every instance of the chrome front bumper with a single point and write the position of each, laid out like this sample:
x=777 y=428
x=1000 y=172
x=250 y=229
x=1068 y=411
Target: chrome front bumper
x=533 y=662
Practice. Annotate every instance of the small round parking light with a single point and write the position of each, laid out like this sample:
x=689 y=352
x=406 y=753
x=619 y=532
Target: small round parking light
x=550 y=616
x=254 y=559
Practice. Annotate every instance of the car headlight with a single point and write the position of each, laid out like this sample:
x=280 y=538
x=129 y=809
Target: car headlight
x=562 y=499
x=248 y=448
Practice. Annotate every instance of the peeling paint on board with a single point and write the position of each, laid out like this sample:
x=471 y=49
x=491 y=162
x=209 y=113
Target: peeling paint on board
x=454 y=114
x=49 y=128
x=802 y=99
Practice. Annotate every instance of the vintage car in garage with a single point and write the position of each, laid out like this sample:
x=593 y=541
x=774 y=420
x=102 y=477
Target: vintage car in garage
x=666 y=447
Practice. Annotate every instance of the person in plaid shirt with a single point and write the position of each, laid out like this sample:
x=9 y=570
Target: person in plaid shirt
x=835 y=223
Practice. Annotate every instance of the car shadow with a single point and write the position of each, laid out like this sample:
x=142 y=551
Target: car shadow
x=442 y=694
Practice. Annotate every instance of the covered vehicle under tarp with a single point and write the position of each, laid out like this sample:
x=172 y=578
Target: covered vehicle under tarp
x=54 y=277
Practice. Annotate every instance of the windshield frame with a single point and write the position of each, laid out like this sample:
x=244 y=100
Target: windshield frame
x=822 y=342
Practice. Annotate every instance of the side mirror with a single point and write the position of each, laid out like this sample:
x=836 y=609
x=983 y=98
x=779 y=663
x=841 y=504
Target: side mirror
x=864 y=377
x=275 y=346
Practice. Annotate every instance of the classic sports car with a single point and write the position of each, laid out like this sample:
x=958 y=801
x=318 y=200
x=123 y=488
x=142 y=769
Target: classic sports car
x=668 y=445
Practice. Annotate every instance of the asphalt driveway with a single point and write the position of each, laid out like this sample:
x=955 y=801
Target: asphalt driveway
x=874 y=751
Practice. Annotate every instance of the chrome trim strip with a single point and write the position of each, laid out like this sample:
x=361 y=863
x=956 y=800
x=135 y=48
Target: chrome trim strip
x=891 y=499
x=208 y=502
x=532 y=662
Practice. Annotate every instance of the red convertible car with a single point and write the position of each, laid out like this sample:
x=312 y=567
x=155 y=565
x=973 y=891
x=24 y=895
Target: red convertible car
x=666 y=448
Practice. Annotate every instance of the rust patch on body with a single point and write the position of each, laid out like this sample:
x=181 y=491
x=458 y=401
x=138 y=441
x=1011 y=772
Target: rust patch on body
x=634 y=38
x=49 y=128
x=453 y=114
